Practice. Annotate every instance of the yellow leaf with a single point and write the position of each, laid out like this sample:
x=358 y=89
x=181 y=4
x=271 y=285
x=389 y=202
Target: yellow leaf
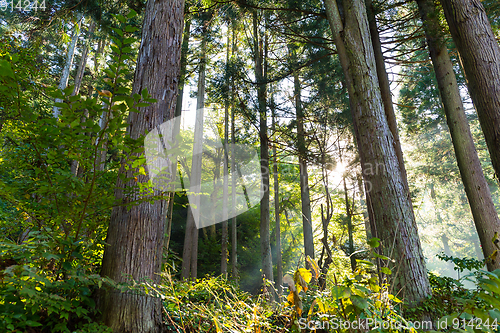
x=305 y=274
x=290 y=298
x=106 y=93
x=314 y=266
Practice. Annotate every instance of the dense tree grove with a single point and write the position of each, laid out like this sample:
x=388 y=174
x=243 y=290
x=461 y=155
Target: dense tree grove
x=249 y=166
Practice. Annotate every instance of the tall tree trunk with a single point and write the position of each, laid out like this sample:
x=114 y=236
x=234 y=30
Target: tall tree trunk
x=279 y=259
x=234 y=230
x=190 y=251
x=476 y=187
x=136 y=234
x=225 y=188
x=83 y=61
x=480 y=56
x=350 y=229
x=304 y=177
x=63 y=83
x=182 y=76
x=390 y=199
x=385 y=86
x=265 y=245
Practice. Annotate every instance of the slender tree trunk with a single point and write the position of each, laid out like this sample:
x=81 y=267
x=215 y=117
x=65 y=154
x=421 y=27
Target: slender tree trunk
x=63 y=83
x=385 y=87
x=390 y=199
x=476 y=187
x=350 y=229
x=83 y=60
x=182 y=76
x=265 y=246
x=304 y=177
x=225 y=189
x=234 y=231
x=279 y=259
x=136 y=234
x=190 y=252
x=480 y=56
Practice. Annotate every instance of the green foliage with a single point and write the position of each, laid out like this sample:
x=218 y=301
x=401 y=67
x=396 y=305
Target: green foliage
x=51 y=258
x=480 y=314
x=462 y=264
x=216 y=305
x=359 y=298
x=46 y=285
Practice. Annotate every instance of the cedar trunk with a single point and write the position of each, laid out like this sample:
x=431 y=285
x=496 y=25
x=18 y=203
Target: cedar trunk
x=135 y=235
x=265 y=238
x=304 y=177
x=390 y=199
x=476 y=187
x=480 y=56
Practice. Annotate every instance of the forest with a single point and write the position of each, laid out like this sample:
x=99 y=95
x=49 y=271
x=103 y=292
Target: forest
x=249 y=166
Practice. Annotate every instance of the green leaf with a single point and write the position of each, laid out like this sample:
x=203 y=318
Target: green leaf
x=131 y=14
x=359 y=302
x=32 y=323
x=6 y=69
x=118 y=31
x=374 y=242
x=386 y=270
x=121 y=18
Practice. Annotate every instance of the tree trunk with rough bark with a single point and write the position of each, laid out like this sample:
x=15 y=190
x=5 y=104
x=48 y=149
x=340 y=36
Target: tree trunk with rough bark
x=477 y=190
x=265 y=245
x=304 y=177
x=480 y=56
x=385 y=86
x=136 y=234
x=390 y=199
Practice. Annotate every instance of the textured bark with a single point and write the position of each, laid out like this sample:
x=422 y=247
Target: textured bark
x=279 y=259
x=304 y=177
x=265 y=245
x=389 y=197
x=480 y=56
x=63 y=83
x=476 y=187
x=136 y=234
x=385 y=87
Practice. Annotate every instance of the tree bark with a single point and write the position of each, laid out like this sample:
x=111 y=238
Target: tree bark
x=190 y=252
x=182 y=76
x=136 y=234
x=390 y=199
x=225 y=189
x=477 y=190
x=265 y=245
x=234 y=230
x=304 y=177
x=63 y=83
x=480 y=56
x=83 y=60
x=385 y=87
x=279 y=259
